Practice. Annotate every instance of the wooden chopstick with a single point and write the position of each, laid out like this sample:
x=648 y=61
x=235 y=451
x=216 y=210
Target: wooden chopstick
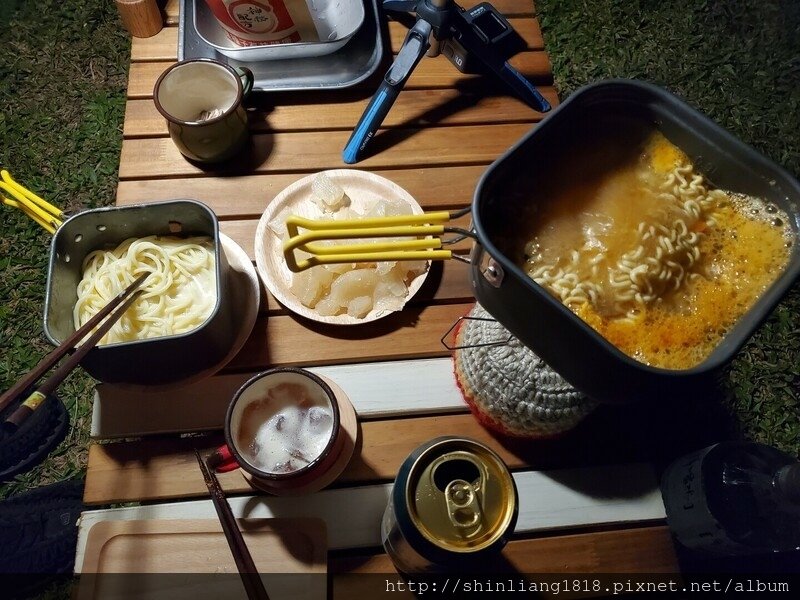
x=241 y=555
x=66 y=346
x=27 y=408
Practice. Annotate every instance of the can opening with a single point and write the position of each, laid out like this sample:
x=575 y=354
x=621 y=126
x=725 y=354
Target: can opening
x=460 y=498
x=452 y=470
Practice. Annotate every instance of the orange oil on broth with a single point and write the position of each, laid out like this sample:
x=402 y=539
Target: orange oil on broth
x=742 y=250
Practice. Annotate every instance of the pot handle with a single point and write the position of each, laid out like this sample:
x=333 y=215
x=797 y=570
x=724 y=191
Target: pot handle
x=248 y=80
x=222 y=460
x=457 y=325
x=40 y=210
x=462 y=233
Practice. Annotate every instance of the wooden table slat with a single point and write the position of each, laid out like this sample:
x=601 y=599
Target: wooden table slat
x=447 y=282
x=164 y=45
x=160 y=469
x=329 y=111
x=377 y=390
x=246 y=196
x=507 y=7
x=639 y=550
x=414 y=332
x=548 y=501
x=431 y=73
x=314 y=151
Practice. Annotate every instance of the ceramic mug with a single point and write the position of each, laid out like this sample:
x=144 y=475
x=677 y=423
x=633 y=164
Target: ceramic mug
x=282 y=429
x=202 y=101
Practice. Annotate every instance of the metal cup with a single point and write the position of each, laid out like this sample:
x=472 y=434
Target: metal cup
x=245 y=418
x=202 y=101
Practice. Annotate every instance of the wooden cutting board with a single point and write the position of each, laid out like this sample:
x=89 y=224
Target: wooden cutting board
x=190 y=559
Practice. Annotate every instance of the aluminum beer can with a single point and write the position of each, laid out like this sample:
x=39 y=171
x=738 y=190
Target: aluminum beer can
x=453 y=503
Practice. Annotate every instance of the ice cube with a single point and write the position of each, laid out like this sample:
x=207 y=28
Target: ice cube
x=346 y=212
x=278 y=222
x=299 y=454
x=388 y=208
x=254 y=448
x=319 y=419
x=388 y=303
x=339 y=268
x=414 y=268
x=396 y=208
x=311 y=285
x=376 y=209
x=284 y=466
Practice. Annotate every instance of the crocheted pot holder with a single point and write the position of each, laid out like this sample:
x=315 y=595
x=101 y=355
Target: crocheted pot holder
x=509 y=388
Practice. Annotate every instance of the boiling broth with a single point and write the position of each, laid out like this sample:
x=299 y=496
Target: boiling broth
x=642 y=248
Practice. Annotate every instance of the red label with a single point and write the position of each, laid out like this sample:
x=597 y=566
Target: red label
x=258 y=22
x=294 y=37
x=260 y=16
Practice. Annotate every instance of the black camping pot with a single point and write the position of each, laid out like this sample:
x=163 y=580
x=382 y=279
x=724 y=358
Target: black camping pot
x=540 y=321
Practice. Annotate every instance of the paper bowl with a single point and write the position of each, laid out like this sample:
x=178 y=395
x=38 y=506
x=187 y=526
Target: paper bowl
x=364 y=189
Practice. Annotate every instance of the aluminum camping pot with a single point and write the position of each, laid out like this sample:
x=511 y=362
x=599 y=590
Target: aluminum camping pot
x=540 y=321
x=155 y=361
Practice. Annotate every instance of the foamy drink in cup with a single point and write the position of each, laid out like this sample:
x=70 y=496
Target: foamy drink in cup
x=287 y=429
x=283 y=430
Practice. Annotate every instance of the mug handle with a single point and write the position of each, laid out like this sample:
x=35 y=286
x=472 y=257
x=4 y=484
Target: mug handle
x=248 y=80
x=222 y=460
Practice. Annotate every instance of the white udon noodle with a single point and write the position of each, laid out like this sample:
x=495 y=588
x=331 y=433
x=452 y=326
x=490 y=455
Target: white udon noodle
x=178 y=295
x=663 y=258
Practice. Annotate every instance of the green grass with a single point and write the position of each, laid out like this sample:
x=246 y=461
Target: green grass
x=63 y=72
x=738 y=61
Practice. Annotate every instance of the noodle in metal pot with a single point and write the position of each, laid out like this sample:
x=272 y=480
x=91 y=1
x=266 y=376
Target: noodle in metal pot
x=655 y=259
x=178 y=295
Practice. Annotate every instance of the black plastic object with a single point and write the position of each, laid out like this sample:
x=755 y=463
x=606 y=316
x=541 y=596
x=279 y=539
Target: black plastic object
x=581 y=355
x=28 y=445
x=38 y=535
x=491 y=29
x=734 y=498
x=487 y=42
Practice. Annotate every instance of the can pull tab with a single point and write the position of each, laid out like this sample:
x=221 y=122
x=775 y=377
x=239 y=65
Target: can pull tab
x=463 y=506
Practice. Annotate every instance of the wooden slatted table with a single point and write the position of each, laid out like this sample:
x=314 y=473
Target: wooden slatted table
x=442 y=133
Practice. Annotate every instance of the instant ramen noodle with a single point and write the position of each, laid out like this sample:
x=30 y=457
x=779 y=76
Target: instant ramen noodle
x=645 y=250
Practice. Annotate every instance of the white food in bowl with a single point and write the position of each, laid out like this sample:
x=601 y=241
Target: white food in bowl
x=348 y=293
x=177 y=297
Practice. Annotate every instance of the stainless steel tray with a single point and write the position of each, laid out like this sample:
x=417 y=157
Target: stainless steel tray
x=353 y=63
